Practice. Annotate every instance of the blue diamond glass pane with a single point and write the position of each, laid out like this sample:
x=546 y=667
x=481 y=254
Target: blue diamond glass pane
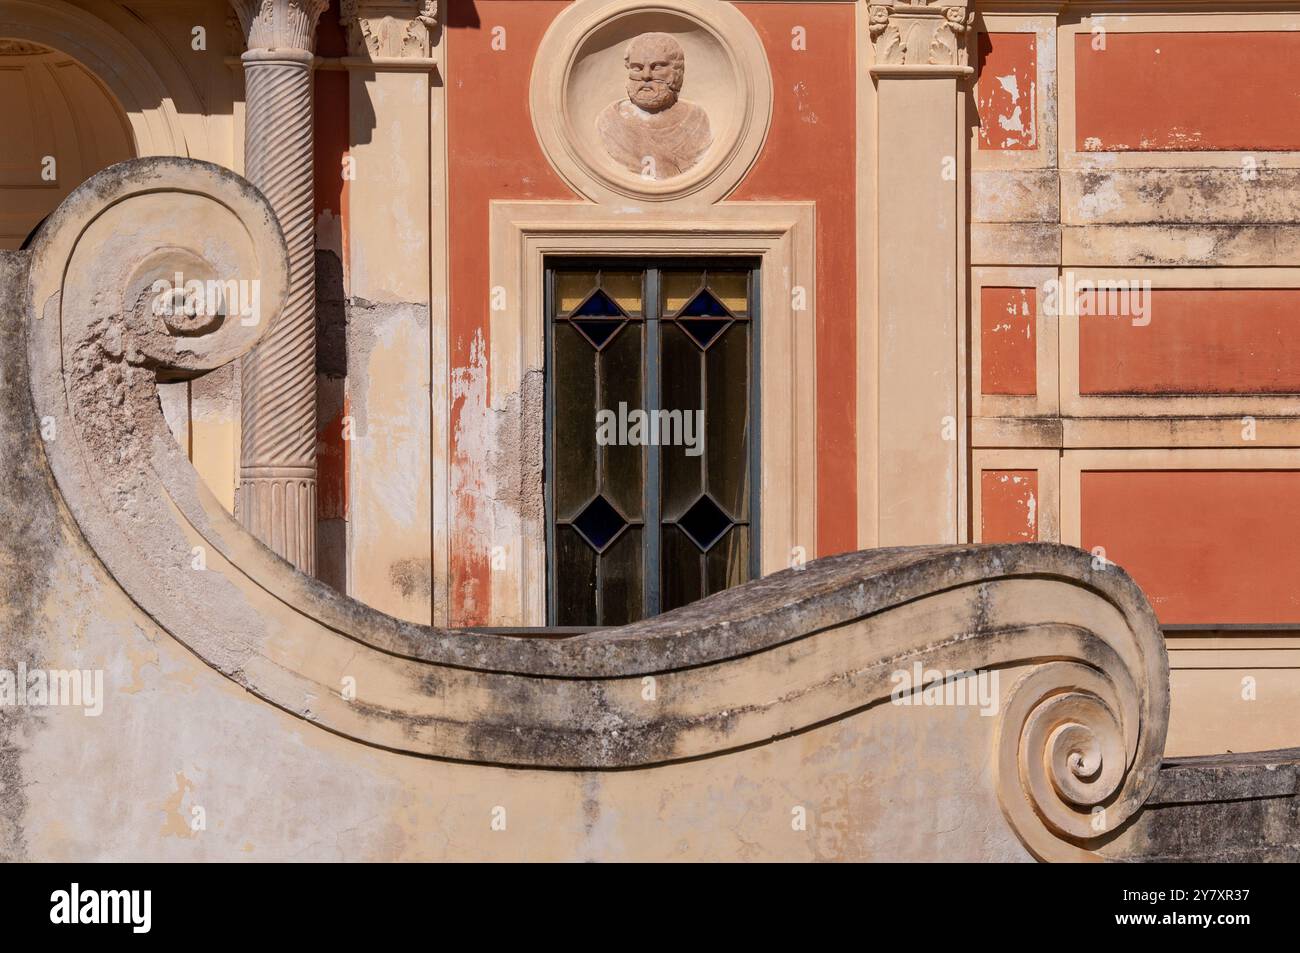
x=704 y=523
x=599 y=524
x=704 y=305
x=599 y=305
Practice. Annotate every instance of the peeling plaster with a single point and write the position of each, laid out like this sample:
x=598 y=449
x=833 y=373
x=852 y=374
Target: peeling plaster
x=1007 y=101
x=497 y=492
x=176 y=819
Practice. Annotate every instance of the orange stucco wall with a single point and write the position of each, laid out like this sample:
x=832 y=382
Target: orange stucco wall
x=1205 y=546
x=332 y=130
x=1187 y=91
x=1006 y=92
x=1009 y=506
x=1008 y=350
x=493 y=154
x=332 y=466
x=1199 y=341
x=811 y=155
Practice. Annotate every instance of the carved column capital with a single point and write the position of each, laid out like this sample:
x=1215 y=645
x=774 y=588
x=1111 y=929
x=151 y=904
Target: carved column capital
x=280 y=24
x=924 y=33
x=389 y=28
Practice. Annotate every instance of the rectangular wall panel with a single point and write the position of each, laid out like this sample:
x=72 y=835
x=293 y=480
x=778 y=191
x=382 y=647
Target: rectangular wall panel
x=1198 y=341
x=1153 y=92
x=1206 y=546
x=1009 y=506
x=1008 y=349
x=1006 y=92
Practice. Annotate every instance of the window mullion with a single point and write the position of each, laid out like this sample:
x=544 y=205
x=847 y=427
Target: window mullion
x=702 y=370
x=548 y=445
x=755 y=423
x=653 y=521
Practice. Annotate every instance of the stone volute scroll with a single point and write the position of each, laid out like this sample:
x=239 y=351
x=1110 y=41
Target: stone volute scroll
x=1066 y=753
x=662 y=102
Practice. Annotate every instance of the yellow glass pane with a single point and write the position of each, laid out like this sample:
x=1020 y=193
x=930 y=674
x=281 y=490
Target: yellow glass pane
x=571 y=287
x=680 y=288
x=731 y=288
x=624 y=287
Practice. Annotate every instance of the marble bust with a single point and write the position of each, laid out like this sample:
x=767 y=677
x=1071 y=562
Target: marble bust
x=653 y=132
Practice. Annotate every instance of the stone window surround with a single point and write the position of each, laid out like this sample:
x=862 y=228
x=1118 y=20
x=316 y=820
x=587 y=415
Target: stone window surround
x=781 y=235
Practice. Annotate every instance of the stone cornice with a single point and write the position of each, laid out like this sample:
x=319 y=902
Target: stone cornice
x=1085 y=8
x=1048 y=7
x=926 y=35
x=387 y=29
x=279 y=24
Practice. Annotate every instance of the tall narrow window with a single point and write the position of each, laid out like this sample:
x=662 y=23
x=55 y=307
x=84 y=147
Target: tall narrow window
x=651 y=437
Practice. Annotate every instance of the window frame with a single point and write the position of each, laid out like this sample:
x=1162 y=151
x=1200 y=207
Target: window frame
x=653 y=267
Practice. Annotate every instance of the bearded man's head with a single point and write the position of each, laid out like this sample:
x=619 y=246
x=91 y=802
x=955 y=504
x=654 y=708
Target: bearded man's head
x=656 y=67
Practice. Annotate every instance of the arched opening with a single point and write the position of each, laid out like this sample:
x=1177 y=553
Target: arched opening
x=62 y=125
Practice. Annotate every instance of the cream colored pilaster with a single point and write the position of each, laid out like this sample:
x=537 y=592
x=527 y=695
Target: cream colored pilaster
x=277 y=479
x=868 y=417
x=921 y=69
x=396 y=256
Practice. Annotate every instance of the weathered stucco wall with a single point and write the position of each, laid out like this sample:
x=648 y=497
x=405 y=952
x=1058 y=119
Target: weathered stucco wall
x=176 y=738
x=1156 y=425
x=759 y=724
x=485 y=161
x=809 y=155
x=1122 y=437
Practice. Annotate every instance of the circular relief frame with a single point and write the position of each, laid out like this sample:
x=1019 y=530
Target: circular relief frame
x=579 y=70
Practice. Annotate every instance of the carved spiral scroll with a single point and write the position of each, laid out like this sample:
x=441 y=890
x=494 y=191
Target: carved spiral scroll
x=1070 y=759
x=146 y=224
x=1075 y=750
x=154 y=268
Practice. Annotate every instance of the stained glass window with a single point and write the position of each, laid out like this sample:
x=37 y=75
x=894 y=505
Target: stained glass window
x=651 y=437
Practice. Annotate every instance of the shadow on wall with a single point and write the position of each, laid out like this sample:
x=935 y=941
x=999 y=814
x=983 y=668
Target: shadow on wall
x=62 y=125
x=462 y=15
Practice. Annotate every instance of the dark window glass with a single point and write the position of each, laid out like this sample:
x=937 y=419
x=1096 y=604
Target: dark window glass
x=574 y=362
x=651 y=438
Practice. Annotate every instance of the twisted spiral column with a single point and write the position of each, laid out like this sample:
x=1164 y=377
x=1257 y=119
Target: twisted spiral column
x=277 y=473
